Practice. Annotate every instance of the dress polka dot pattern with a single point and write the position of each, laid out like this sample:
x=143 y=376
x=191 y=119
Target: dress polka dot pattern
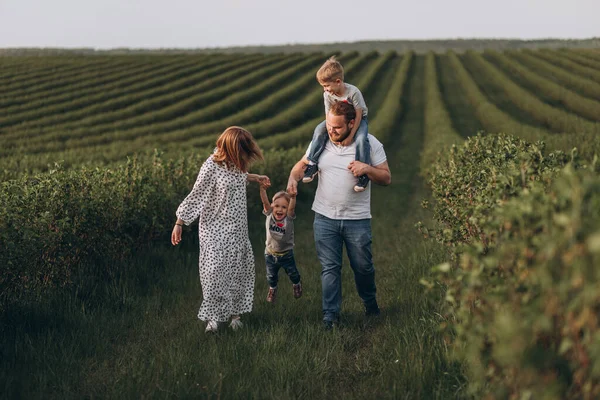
x=226 y=264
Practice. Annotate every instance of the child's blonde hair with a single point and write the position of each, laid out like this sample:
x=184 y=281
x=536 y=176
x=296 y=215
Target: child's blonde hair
x=330 y=71
x=281 y=194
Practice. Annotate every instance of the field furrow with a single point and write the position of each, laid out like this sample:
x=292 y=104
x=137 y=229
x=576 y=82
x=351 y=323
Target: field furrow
x=548 y=91
x=121 y=97
x=462 y=114
x=90 y=87
x=583 y=86
x=547 y=116
x=571 y=66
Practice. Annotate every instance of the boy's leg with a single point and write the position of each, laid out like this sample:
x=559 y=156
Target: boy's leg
x=272 y=276
x=288 y=262
x=363 y=153
x=317 y=145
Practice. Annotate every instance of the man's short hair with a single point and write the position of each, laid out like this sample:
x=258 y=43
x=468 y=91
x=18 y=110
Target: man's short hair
x=343 y=108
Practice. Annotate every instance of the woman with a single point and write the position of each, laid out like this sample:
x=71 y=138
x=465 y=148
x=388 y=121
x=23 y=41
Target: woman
x=218 y=200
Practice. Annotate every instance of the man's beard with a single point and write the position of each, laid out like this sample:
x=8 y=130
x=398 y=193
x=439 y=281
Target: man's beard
x=343 y=137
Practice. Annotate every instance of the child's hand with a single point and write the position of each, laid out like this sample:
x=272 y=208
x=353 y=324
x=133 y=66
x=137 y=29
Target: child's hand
x=264 y=181
x=292 y=195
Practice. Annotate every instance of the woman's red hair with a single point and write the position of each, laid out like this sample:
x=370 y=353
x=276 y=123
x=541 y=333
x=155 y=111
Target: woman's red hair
x=236 y=147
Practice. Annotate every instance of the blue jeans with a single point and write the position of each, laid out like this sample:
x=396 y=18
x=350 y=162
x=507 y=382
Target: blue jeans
x=287 y=262
x=320 y=137
x=330 y=237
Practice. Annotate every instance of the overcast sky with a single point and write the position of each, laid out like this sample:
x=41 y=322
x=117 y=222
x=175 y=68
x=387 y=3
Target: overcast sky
x=219 y=23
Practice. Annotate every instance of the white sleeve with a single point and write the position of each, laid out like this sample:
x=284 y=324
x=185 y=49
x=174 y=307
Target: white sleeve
x=308 y=149
x=377 y=152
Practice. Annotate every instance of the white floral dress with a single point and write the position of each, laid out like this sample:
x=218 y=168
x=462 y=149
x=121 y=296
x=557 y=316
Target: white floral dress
x=226 y=267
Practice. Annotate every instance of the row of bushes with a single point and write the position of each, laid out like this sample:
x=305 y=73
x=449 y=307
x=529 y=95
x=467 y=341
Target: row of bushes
x=522 y=304
x=555 y=118
x=65 y=224
x=198 y=107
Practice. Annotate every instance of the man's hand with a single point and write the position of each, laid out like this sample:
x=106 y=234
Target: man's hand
x=359 y=168
x=292 y=187
x=295 y=175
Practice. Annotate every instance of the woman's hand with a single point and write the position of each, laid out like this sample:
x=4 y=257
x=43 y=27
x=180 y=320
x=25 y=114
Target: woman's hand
x=176 y=234
x=264 y=181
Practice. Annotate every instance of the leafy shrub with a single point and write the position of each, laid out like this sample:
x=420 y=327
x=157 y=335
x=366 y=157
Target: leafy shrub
x=522 y=299
x=529 y=310
x=479 y=176
x=55 y=226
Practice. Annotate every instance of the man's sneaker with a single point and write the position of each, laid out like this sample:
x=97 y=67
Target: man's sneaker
x=329 y=325
x=236 y=324
x=310 y=172
x=297 y=290
x=362 y=183
x=211 y=327
x=272 y=295
x=372 y=311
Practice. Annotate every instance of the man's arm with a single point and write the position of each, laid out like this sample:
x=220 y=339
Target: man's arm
x=296 y=174
x=379 y=174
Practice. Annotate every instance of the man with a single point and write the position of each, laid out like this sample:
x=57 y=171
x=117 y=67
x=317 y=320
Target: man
x=343 y=216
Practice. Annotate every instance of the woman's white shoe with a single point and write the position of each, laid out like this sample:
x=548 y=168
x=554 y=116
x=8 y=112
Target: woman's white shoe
x=211 y=326
x=236 y=324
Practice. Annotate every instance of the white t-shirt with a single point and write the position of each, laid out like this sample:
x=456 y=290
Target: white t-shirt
x=335 y=197
x=352 y=95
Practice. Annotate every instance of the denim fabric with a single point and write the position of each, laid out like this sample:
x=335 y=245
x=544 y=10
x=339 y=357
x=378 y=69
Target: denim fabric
x=318 y=142
x=287 y=262
x=330 y=237
x=363 y=148
x=320 y=137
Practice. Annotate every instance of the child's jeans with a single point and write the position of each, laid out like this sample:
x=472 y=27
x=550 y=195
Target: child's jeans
x=285 y=261
x=320 y=137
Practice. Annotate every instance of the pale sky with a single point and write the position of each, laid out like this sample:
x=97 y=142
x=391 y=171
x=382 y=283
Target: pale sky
x=221 y=23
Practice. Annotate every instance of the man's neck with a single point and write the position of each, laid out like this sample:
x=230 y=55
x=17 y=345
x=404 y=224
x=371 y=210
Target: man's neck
x=346 y=142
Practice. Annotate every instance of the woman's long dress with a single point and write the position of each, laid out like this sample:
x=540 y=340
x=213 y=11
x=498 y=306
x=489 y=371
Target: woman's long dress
x=226 y=267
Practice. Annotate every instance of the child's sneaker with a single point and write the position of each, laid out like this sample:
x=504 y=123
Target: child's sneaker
x=272 y=295
x=297 y=287
x=362 y=183
x=211 y=327
x=310 y=172
x=236 y=323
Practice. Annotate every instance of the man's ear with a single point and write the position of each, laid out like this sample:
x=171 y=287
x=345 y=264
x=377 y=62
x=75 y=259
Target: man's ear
x=351 y=124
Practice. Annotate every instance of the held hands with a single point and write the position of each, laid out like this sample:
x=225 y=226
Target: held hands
x=292 y=187
x=264 y=181
x=358 y=168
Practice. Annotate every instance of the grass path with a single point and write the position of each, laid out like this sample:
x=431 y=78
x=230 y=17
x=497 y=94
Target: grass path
x=138 y=336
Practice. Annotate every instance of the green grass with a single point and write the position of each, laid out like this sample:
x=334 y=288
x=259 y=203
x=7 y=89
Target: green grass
x=137 y=335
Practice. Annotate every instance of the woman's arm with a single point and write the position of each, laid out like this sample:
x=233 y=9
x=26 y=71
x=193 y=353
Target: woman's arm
x=258 y=178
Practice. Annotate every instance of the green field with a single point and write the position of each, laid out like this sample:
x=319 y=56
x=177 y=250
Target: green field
x=132 y=333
